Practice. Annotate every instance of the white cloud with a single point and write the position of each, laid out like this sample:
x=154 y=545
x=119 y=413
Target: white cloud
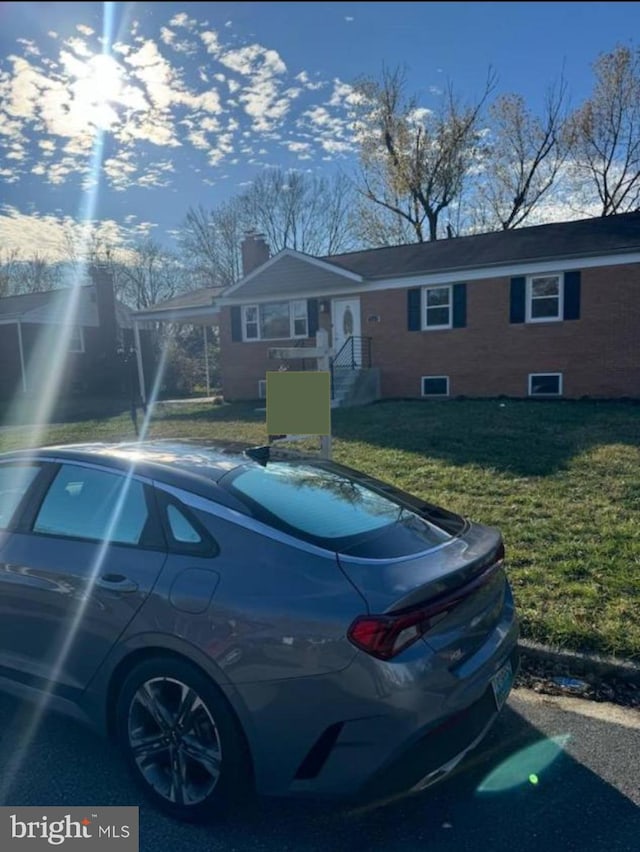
x=8 y=176
x=51 y=235
x=233 y=98
x=302 y=149
x=167 y=35
x=211 y=41
x=183 y=20
x=253 y=59
x=29 y=46
x=79 y=46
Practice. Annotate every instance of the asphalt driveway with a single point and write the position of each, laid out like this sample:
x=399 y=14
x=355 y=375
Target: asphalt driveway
x=547 y=778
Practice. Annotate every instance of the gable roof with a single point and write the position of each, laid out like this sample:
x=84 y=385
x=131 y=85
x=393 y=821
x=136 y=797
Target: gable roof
x=284 y=272
x=292 y=274
x=50 y=307
x=583 y=238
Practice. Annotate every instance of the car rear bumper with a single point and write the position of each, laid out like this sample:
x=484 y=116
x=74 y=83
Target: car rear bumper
x=375 y=729
x=436 y=750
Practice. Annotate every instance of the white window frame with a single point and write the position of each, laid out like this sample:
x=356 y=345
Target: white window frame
x=246 y=308
x=293 y=303
x=293 y=318
x=432 y=395
x=533 y=376
x=76 y=339
x=449 y=288
x=530 y=297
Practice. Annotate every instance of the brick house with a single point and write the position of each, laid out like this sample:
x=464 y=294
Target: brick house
x=545 y=311
x=30 y=326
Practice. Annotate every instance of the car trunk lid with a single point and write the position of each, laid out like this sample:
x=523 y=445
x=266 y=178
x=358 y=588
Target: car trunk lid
x=459 y=585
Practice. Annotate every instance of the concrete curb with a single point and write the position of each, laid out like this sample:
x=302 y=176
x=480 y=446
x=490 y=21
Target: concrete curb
x=579 y=663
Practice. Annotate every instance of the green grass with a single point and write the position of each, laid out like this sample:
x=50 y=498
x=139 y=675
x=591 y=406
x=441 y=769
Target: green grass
x=561 y=479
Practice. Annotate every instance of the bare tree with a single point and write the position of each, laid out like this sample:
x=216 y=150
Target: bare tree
x=293 y=209
x=606 y=131
x=210 y=245
x=304 y=212
x=34 y=273
x=414 y=161
x=9 y=260
x=150 y=275
x=525 y=155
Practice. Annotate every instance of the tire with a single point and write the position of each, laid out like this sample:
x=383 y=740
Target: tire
x=181 y=740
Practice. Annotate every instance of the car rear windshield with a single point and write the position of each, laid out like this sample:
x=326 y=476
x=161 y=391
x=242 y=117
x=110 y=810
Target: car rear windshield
x=333 y=510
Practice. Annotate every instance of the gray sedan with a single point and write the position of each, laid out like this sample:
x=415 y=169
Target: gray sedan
x=250 y=619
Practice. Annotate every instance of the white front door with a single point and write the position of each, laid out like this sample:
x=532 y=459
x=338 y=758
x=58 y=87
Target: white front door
x=345 y=323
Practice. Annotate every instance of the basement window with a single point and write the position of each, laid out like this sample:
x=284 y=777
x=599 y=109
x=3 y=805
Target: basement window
x=435 y=386
x=545 y=384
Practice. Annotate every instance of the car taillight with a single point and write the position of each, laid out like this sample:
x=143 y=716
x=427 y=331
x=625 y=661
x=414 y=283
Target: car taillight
x=385 y=636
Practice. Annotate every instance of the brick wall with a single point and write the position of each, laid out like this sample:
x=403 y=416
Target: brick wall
x=242 y=365
x=598 y=354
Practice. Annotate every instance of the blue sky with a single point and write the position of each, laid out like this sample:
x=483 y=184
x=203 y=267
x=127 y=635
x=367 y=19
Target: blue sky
x=128 y=113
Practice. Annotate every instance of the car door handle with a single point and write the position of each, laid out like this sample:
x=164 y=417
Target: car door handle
x=116 y=583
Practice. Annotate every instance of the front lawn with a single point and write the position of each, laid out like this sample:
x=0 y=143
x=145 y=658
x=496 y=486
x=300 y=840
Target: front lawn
x=561 y=479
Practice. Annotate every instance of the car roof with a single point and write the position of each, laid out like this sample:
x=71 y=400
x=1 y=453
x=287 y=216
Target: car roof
x=173 y=460
x=205 y=459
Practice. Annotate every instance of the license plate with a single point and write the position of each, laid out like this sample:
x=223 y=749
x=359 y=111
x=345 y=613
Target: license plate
x=501 y=684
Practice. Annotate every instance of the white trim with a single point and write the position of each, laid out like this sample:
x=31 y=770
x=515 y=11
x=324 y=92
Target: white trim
x=423 y=302
x=453 y=277
x=545 y=395
x=529 y=298
x=430 y=395
x=259 y=338
x=306 y=258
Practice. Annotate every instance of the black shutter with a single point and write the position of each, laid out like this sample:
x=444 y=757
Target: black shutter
x=518 y=296
x=312 y=317
x=459 y=305
x=572 y=295
x=236 y=323
x=414 y=300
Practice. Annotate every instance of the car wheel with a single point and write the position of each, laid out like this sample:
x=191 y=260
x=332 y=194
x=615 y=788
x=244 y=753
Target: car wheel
x=181 y=739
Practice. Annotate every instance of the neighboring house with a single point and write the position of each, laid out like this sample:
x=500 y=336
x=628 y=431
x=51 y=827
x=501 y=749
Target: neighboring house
x=545 y=311
x=97 y=327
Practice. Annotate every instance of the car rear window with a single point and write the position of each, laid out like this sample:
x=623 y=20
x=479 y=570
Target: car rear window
x=330 y=508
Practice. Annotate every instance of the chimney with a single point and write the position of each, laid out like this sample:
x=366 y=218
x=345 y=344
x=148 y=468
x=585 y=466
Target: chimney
x=106 y=304
x=255 y=252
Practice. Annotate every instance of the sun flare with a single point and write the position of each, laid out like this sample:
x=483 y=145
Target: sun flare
x=98 y=89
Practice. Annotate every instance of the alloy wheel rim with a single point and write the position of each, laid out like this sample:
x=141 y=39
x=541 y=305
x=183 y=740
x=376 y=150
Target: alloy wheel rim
x=174 y=741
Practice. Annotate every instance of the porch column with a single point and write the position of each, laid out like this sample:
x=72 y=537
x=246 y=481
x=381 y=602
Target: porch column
x=23 y=372
x=206 y=359
x=136 y=334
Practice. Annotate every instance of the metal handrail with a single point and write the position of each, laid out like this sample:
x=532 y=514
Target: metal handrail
x=346 y=358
